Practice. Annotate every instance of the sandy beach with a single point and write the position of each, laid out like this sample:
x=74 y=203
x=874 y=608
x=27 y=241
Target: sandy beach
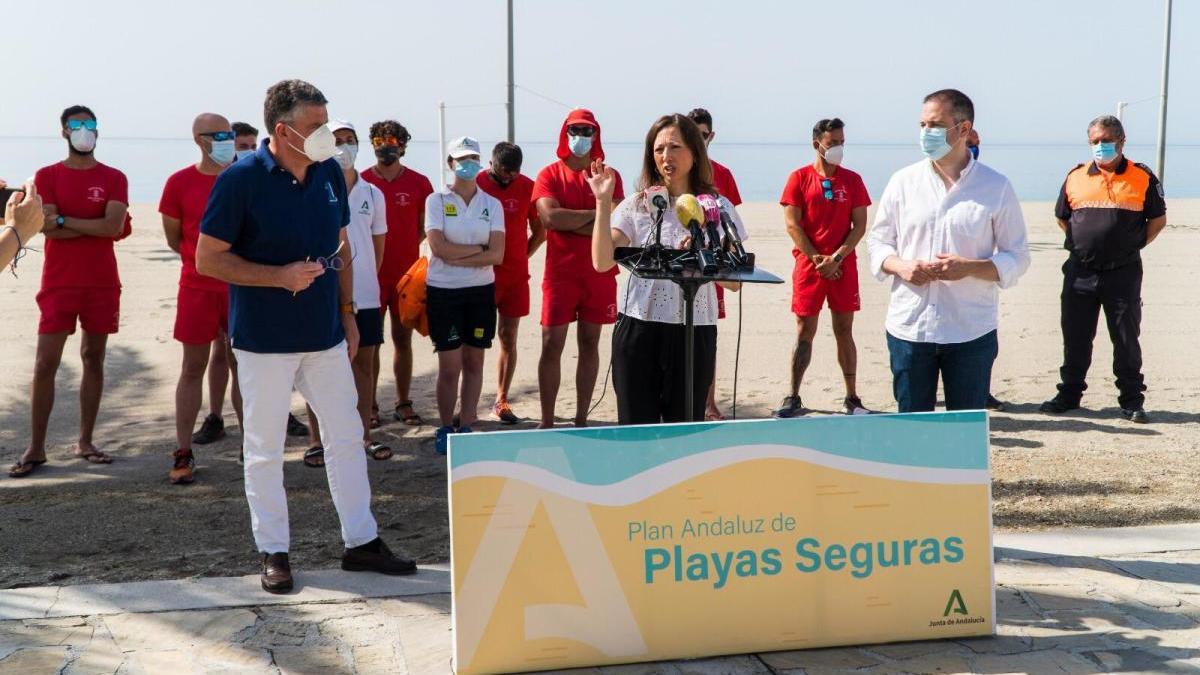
x=75 y=523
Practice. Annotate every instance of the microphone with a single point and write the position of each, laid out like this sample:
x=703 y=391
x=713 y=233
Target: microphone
x=712 y=216
x=741 y=258
x=691 y=215
x=656 y=200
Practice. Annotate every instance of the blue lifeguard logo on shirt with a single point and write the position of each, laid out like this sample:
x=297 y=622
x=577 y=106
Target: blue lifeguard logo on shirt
x=330 y=192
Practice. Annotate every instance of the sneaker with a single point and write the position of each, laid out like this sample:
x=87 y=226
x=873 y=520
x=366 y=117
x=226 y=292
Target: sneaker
x=791 y=407
x=211 y=430
x=441 y=439
x=1135 y=415
x=994 y=403
x=295 y=427
x=375 y=556
x=501 y=411
x=185 y=468
x=853 y=405
x=1057 y=406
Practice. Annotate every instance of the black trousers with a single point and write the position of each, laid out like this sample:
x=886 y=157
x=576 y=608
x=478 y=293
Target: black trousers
x=1119 y=293
x=648 y=370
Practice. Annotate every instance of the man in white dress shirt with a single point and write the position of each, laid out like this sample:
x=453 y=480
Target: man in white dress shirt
x=950 y=234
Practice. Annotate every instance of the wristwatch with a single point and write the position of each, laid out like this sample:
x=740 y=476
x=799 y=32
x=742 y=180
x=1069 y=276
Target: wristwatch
x=349 y=308
x=837 y=258
x=59 y=221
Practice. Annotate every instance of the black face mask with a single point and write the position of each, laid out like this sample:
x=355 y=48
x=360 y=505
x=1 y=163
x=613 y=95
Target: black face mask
x=496 y=179
x=389 y=155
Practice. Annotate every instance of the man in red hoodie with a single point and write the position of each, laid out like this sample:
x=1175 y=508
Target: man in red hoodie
x=572 y=290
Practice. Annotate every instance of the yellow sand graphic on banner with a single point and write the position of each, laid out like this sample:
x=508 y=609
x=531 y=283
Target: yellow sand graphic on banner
x=758 y=555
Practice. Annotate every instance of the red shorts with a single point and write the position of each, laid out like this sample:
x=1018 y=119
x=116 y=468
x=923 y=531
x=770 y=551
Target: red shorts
x=201 y=316
x=98 y=310
x=512 y=296
x=590 y=297
x=389 y=299
x=810 y=290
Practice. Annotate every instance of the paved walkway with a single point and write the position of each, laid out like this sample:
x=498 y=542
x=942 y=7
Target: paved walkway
x=1124 y=600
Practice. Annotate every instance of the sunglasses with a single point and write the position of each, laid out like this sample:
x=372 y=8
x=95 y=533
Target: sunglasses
x=581 y=130
x=380 y=141
x=219 y=135
x=76 y=125
x=827 y=185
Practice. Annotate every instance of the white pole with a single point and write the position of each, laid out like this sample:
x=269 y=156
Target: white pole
x=1162 y=110
x=512 y=113
x=442 y=142
x=1121 y=110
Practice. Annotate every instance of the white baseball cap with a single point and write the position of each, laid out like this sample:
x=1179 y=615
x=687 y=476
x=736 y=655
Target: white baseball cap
x=464 y=146
x=338 y=125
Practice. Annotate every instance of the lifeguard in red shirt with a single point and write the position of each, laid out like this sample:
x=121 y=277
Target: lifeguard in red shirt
x=572 y=290
x=87 y=211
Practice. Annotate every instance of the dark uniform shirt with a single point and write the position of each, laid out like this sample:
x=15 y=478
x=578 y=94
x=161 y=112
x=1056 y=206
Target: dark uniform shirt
x=1107 y=213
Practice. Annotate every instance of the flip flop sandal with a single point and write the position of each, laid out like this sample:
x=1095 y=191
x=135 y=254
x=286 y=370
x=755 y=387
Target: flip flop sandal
x=23 y=469
x=413 y=420
x=314 y=457
x=96 y=457
x=375 y=450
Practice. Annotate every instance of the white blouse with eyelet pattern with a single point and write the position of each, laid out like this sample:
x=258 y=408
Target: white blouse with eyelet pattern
x=657 y=300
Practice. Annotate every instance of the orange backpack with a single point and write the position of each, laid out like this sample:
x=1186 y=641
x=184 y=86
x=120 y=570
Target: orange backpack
x=411 y=290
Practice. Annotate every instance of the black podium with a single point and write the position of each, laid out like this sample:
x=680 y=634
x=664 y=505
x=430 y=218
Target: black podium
x=679 y=267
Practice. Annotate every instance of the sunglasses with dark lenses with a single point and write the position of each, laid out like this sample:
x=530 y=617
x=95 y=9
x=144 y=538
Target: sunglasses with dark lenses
x=827 y=185
x=219 y=135
x=75 y=125
x=581 y=130
x=380 y=141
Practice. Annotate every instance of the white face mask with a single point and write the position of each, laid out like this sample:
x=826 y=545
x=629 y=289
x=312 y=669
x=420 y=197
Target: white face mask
x=319 y=146
x=83 y=140
x=348 y=152
x=833 y=154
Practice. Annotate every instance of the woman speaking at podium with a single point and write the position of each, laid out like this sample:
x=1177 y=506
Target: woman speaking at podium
x=648 y=340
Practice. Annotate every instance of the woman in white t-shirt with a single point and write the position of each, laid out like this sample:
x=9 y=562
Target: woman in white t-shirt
x=647 y=350
x=465 y=228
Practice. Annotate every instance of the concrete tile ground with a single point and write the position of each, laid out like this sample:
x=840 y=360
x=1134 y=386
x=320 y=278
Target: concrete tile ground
x=1128 y=612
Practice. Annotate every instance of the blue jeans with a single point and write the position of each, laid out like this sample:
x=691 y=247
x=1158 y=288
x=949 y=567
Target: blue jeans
x=965 y=367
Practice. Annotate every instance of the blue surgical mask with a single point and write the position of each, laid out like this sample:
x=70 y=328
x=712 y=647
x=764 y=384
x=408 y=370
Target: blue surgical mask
x=222 y=152
x=467 y=169
x=933 y=142
x=1103 y=152
x=580 y=146
x=243 y=154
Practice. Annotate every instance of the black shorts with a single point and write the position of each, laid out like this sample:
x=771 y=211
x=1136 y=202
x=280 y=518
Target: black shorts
x=461 y=316
x=370 y=327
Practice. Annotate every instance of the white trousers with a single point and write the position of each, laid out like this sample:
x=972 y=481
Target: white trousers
x=325 y=380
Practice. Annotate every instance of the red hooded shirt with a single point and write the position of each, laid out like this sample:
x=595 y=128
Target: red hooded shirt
x=569 y=255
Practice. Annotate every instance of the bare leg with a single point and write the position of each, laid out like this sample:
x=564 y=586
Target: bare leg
x=402 y=361
x=91 y=387
x=847 y=351
x=188 y=392
x=472 y=384
x=806 y=327
x=49 y=355
x=450 y=365
x=506 y=330
x=588 y=336
x=363 y=365
x=550 y=370
x=218 y=377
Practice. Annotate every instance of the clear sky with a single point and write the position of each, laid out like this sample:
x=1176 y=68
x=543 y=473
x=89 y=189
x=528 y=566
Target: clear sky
x=1037 y=70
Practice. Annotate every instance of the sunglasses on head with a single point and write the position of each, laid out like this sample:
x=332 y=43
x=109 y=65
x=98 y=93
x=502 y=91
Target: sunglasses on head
x=219 y=135
x=584 y=130
x=75 y=125
x=380 y=141
x=827 y=185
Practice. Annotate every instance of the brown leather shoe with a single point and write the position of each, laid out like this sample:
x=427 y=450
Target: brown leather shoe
x=375 y=556
x=276 y=573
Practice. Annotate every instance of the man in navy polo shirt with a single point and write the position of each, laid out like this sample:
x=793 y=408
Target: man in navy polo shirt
x=274 y=229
